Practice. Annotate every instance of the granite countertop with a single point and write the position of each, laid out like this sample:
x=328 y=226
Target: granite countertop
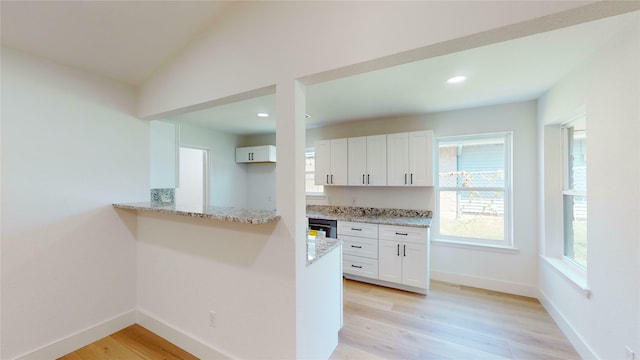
x=234 y=214
x=399 y=217
x=317 y=248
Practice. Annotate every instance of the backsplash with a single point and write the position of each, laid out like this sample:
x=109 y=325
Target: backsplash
x=368 y=211
x=163 y=196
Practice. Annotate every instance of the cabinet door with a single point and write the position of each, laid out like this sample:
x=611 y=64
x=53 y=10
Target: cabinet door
x=414 y=265
x=389 y=261
x=323 y=162
x=338 y=174
x=243 y=154
x=265 y=153
x=357 y=161
x=421 y=158
x=376 y=160
x=398 y=159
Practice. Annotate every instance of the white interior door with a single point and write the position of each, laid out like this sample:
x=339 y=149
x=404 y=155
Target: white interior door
x=193 y=177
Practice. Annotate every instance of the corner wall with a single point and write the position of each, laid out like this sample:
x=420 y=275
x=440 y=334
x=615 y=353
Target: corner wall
x=608 y=85
x=70 y=148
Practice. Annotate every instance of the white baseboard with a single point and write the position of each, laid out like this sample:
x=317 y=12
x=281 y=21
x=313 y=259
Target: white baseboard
x=486 y=283
x=569 y=331
x=178 y=337
x=81 y=338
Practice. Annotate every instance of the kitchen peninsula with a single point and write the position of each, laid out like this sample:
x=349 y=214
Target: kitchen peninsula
x=225 y=213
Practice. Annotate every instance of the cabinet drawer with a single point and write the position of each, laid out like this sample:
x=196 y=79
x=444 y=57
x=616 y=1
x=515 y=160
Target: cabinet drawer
x=404 y=233
x=358 y=246
x=360 y=266
x=358 y=229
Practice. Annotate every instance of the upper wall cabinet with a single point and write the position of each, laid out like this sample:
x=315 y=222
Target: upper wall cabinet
x=367 y=161
x=331 y=162
x=410 y=159
x=256 y=154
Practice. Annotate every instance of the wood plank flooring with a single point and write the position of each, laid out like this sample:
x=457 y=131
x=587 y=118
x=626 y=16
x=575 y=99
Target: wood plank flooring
x=452 y=322
x=131 y=343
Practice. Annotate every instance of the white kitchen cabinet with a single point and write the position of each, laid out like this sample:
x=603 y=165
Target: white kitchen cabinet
x=367 y=161
x=256 y=154
x=403 y=255
x=410 y=159
x=331 y=162
x=359 y=248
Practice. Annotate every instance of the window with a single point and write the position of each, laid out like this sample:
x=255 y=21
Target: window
x=309 y=173
x=574 y=194
x=474 y=189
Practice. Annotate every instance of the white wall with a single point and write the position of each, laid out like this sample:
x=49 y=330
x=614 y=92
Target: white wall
x=609 y=87
x=514 y=273
x=228 y=180
x=257 y=43
x=187 y=267
x=70 y=148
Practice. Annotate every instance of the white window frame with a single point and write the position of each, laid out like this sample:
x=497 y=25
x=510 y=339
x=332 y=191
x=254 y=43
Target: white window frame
x=312 y=195
x=507 y=243
x=573 y=265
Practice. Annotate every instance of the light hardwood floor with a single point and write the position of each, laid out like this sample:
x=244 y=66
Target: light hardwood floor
x=452 y=322
x=131 y=343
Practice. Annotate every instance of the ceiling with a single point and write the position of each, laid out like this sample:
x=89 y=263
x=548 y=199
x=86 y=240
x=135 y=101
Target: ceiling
x=124 y=40
x=129 y=41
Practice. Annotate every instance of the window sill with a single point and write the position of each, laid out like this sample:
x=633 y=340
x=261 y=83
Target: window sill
x=579 y=281
x=476 y=246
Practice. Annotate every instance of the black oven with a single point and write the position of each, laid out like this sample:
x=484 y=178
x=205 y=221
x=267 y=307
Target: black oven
x=330 y=227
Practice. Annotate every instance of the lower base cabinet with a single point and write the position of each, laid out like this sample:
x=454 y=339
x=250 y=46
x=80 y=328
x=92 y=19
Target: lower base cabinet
x=401 y=261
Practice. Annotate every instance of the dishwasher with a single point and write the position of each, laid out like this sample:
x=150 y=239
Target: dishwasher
x=330 y=227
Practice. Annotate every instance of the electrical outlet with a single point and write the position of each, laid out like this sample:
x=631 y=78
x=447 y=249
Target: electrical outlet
x=212 y=319
x=629 y=354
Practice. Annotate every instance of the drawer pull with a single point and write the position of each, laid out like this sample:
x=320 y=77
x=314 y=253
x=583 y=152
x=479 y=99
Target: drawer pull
x=356 y=266
x=356 y=229
x=403 y=234
x=356 y=246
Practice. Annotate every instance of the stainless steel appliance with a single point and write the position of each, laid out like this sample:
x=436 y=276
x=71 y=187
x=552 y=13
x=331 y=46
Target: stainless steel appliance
x=330 y=227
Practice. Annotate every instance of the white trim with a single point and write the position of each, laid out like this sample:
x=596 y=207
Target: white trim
x=509 y=287
x=81 y=338
x=179 y=337
x=507 y=190
x=577 y=279
x=581 y=346
x=475 y=246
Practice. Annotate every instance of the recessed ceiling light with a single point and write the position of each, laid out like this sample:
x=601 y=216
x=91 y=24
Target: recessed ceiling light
x=456 y=79
x=262 y=114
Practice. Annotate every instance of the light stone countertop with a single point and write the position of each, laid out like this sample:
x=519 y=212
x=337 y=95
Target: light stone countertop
x=233 y=214
x=399 y=217
x=317 y=248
